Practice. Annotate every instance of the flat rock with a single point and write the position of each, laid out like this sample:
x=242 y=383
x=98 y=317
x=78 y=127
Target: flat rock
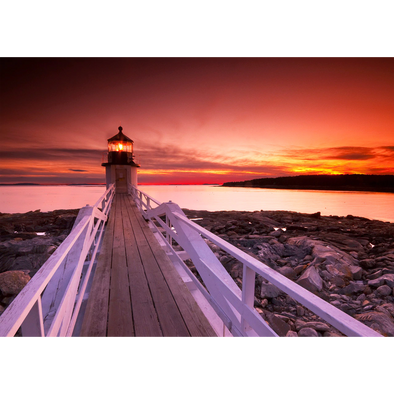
x=354 y=288
x=316 y=325
x=388 y=279
x=322 y=249
x=376 y=282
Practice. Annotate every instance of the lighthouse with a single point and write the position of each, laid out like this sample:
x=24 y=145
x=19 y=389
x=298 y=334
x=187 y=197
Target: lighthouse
x=121 y=167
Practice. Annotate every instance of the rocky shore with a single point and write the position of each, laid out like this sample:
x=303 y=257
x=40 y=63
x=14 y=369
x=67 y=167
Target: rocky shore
x=26 y=242
x=347 y=261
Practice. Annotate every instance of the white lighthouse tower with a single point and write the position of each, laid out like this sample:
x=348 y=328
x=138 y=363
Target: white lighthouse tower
x=121 y=168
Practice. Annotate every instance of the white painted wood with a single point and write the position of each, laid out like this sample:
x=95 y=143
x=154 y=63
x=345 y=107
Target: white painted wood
x=178 y=261
x=67 y=312
x=27 y=310
x=199 y=251
x=65 y=308
x=17 y=311
x=56 y=288
x=343 y=322
x=248 y=288
x=223 y=291
x=84 y=282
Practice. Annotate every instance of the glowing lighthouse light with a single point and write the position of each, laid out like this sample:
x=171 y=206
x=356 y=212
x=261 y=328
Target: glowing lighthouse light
x=121 y=167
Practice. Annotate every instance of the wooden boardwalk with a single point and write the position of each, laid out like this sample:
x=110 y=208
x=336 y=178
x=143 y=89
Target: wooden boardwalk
x=136 y=290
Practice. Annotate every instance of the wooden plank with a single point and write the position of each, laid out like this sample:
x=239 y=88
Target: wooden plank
x=170 y=318
x=137 y=270
x=145 y=318
x=120 y=321
x=194 y=318
x=96 y=314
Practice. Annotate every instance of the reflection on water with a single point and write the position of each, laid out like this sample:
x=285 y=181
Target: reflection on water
x=47 y=198
x=20 y=199
x=366 y=204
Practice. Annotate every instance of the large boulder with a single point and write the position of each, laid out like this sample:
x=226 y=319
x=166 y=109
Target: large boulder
x=12 y=282
x=311 y=280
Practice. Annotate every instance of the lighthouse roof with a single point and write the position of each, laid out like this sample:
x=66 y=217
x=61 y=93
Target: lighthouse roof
x=120 y=136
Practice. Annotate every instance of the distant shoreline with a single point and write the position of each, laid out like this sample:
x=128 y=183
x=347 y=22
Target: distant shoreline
x=55 y=184
x=351 y=183
x=103 y=184
x=322 y=188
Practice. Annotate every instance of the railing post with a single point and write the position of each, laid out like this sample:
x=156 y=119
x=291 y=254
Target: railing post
x=103 y=203
x=168 y=236
x=248 y=288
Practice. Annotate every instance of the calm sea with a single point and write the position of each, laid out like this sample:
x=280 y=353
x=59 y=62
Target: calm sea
x=379 y=206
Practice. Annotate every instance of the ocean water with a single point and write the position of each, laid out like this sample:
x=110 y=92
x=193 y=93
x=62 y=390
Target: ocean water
x=20 y=199
x=371 y=205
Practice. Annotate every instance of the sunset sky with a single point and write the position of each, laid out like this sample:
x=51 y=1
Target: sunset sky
x=196 y=120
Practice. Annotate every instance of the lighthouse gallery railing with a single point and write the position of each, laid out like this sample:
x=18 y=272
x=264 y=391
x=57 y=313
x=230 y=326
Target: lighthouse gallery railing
x=50 y=302
x=234 y=306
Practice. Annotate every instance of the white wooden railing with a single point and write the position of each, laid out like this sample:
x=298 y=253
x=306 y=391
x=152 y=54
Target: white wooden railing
x=50 y=303
x=234 y=306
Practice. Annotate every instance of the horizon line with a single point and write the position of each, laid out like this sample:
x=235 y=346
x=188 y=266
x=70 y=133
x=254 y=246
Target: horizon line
x=103 y=184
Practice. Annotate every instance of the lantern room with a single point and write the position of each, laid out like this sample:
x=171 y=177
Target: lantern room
x=120 y=142
x=120 y=148
x=121 y=168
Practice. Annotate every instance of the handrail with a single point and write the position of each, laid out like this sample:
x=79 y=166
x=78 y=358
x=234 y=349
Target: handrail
x=233 y=305
x=50 y=302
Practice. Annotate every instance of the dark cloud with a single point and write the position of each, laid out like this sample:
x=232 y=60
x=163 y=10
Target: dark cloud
x=51 y=154
x=350 y=153
x=174 y=164
x=173 y=158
